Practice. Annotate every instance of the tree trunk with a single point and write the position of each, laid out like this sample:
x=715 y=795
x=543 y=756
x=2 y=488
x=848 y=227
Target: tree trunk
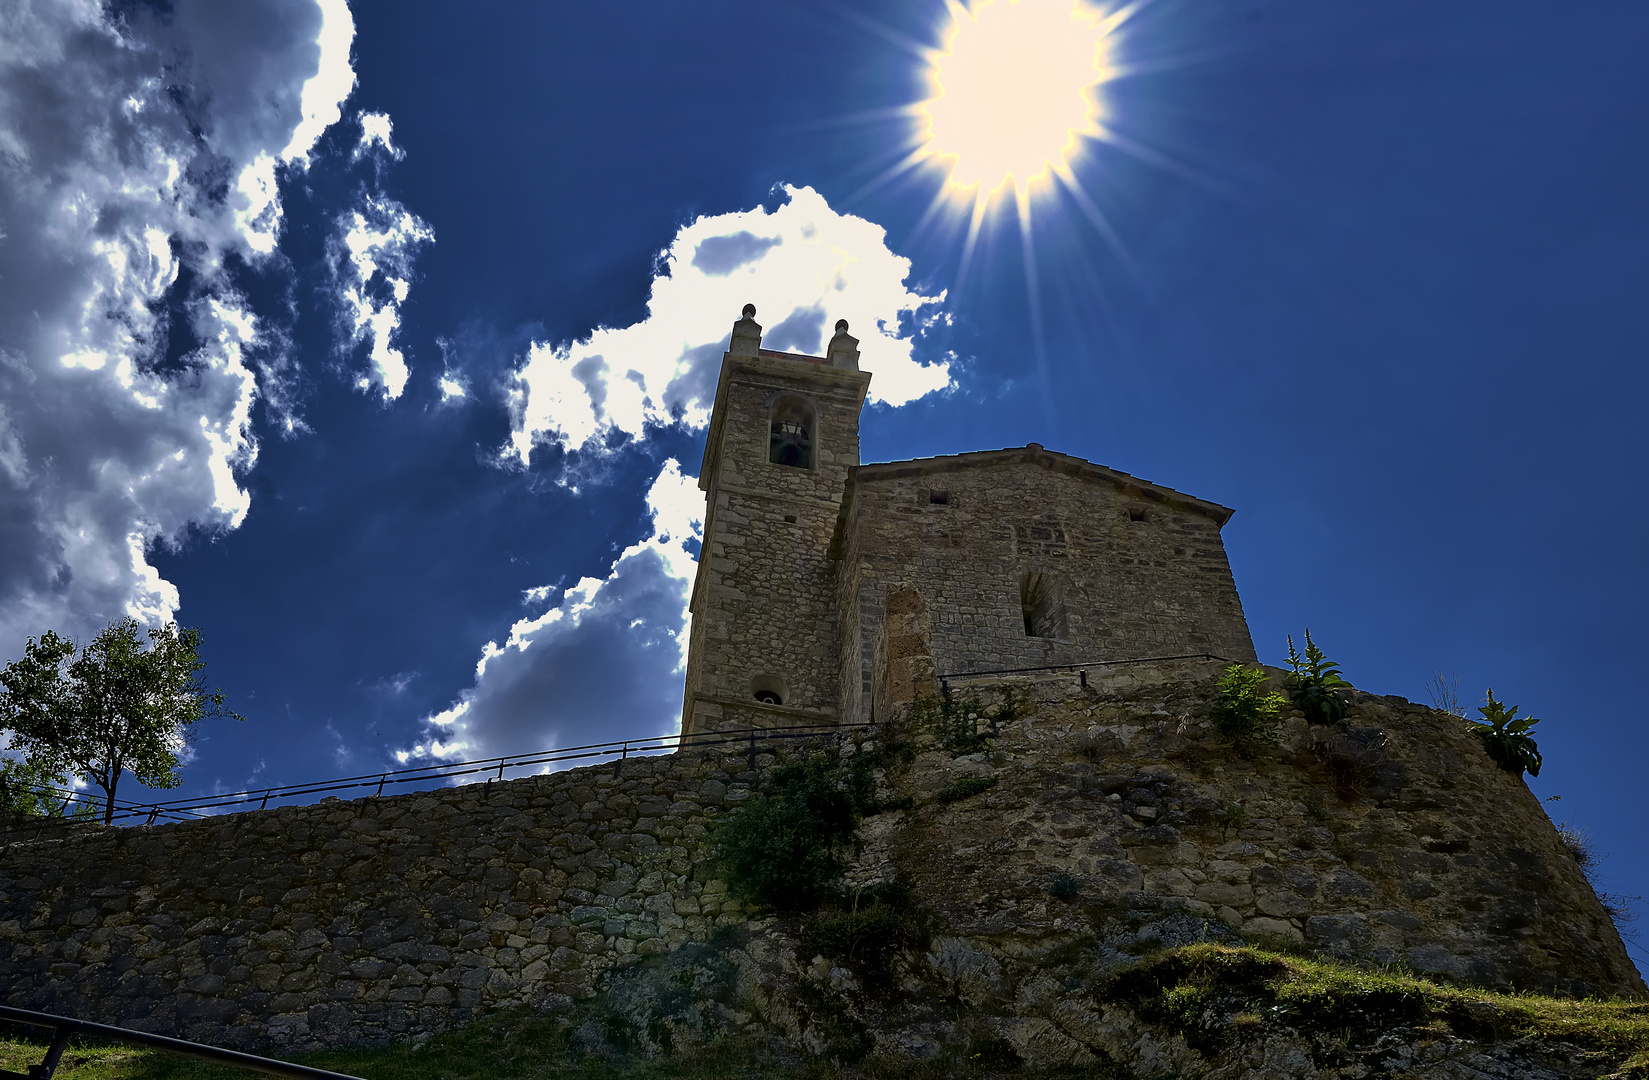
x=109 y=800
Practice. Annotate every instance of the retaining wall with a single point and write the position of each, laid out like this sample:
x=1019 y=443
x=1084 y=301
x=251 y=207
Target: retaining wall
x=1115 y=813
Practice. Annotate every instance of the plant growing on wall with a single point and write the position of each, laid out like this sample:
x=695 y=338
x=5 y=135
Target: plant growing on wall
x=784 y=848
x=110 y=707
x=963 y=723
x=1245 y=713
x=1506 y=737
x=1315 y=685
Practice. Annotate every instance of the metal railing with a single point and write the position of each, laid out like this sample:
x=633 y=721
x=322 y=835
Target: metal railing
x=376 y=783
x=1085 y=665
x=619 y=750
x=65 y=1027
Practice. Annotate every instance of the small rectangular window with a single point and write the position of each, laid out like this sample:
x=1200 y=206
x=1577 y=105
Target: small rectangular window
x=1137 y=513
x=939 y=498
x=791 y=518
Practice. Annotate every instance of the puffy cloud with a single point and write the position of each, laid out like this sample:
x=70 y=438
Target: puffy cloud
x=138 y=153
x=377 y=130
x=604 y=662
x=802 y=265
x=371 y=257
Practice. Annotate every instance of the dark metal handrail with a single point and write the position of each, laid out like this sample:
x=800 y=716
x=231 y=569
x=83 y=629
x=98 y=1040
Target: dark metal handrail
x=1087 y=664
x=618 y=750
x=65 y=1026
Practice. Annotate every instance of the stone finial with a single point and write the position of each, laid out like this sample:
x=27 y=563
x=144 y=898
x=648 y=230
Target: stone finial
x=844 y=348
x=747 y=334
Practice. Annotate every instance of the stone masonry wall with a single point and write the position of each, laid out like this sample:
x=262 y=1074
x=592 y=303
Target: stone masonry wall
x=763 y=604
x=1116 y=816
x=1159 y=586
x=371 y=919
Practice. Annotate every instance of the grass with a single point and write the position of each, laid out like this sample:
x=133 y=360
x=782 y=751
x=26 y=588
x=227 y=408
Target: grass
x=1214 y=995
x=518 y=1047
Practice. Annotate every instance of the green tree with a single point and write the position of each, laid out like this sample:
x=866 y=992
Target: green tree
x=1315 y=685
x=109 y=707
x=27 y=790
x=1506 y=737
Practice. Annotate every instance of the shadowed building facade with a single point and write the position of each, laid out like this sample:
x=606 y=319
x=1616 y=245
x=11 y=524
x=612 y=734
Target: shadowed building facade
x=1020 y=558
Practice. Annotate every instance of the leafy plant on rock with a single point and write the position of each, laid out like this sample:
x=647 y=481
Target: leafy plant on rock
x=870 y=932
x=1506 y=737
x=1245 y=714
x=784 y=848
x=1315 y=685
x=963 y=723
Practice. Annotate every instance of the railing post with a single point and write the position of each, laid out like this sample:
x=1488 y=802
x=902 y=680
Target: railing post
x=60 y=1042
x=752 y=749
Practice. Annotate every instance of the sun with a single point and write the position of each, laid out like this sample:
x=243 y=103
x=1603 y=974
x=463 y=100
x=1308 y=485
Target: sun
x=1013 y=91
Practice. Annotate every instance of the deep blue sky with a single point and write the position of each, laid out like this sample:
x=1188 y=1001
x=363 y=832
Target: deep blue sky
x=1383 y=294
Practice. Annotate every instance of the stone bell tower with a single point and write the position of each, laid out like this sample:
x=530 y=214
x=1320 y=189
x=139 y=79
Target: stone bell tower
x=784 y=432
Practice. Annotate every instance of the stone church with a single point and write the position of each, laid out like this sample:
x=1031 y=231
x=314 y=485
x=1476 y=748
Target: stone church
x=1023 y=558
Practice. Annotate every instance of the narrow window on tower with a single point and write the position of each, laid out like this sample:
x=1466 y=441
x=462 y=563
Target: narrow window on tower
x=791 y=430
x=1042 y=602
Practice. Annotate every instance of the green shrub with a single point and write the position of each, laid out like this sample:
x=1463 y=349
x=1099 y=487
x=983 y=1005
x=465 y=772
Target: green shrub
x=1315 y=686
x=1506 y=737
x=1246 y=713
x=785 y=847
x=1230 y=816
x=882 y=922
x=965 y=788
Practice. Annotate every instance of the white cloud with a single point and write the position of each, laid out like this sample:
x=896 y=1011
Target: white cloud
x=377 y=130
x=804 y=266
x=116 y=138
x=325 y=92
x=604 y=662
x=371 y=256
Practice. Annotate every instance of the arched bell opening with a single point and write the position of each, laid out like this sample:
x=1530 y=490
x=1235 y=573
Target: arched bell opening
x=792 y=426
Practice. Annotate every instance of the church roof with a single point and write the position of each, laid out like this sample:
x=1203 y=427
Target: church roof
x=1039 y=455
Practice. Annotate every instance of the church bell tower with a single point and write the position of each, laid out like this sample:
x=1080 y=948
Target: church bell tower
x=784 y=431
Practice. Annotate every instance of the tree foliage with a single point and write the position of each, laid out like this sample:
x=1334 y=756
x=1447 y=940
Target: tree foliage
x=28 y=790
x=1315 y=685
x=1506 y=737
x=1245 y=714
x=109 y=707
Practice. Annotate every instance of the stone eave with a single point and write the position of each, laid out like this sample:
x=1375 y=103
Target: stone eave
x=1034 y=453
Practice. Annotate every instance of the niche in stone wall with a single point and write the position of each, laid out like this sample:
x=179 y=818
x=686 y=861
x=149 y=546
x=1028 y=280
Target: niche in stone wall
x=1042 y=602
x=769 y=690
x=792 y=425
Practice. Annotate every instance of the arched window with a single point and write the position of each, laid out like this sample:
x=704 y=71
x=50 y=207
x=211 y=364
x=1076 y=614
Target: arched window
x=1042 y=602
x=792 y=427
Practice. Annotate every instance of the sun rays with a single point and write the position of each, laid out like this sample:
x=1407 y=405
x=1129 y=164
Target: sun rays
x=1013 y=91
